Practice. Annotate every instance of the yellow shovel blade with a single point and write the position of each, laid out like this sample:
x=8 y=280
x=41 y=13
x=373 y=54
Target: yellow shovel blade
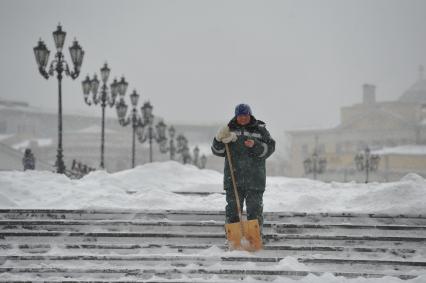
x=252 y=241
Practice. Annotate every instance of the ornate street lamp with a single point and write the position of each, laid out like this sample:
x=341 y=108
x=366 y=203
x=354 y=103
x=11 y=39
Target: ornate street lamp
x=158 y=134
x=59 y=65
x=367 y=162
x=203 y=161
x=197 y=160
x=133 y=117
x=315 y=165
x=172 y=147
x=183 y=149
x=102 y=97
x=164 y=148
x=196 y=156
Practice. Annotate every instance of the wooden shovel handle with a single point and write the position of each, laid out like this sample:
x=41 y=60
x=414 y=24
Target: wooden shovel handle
x=234 y=185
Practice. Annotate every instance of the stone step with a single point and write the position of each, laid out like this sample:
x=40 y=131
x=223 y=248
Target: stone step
x=269 y=237
x=175 y=273
x=205 y=226
x=206 y=238
x=317 y=266
x=195 y=259
x=207 y=223
x=163 y=245
x=271 y=251
x=287 y=217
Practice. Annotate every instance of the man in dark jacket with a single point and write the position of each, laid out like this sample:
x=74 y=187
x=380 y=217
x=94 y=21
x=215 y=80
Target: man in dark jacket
x=250 y=144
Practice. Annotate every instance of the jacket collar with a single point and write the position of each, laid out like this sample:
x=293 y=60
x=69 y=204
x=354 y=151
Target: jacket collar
x=252 y=124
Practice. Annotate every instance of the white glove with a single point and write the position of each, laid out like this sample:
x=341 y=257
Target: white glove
x=225 y=135
x=231 y=138
x=222 y=133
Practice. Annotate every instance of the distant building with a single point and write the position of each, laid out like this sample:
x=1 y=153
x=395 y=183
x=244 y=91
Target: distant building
x=23 y=126
x=378 y=125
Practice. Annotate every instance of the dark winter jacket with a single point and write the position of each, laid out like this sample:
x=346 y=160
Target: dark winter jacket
x=248 y=163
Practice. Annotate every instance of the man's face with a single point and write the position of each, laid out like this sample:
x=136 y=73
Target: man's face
x=243 y=119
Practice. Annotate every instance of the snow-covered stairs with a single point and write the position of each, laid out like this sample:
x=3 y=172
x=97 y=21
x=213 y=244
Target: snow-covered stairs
x=188 y=246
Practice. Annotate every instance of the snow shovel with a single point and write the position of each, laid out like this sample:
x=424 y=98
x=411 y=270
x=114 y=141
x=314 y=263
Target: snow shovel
x=242 y=235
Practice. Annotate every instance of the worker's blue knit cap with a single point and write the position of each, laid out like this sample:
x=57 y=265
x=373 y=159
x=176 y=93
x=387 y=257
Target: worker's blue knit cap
x=242 y=109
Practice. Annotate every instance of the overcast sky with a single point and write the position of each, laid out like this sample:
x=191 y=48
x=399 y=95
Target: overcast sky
x=295 y=62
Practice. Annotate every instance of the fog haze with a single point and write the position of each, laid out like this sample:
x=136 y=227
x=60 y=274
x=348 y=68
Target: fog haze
x=295 y=62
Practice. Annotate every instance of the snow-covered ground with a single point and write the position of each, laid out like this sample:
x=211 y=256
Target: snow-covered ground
x=403 y=150
x=152 y=186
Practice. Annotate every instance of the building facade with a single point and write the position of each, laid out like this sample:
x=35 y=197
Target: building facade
x=373 y=124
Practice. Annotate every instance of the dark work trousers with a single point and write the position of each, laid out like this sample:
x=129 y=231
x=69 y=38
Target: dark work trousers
x=254 y=205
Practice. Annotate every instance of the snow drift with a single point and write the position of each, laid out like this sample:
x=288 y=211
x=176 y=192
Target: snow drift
x=154 y=186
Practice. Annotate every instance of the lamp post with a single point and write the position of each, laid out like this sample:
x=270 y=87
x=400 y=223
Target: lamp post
x=197 y=160
x=60 y=66
x=315 y=165
x=147 y=123
x=102 y=97
x=172 y=147
x=133 y=118
x=196 y=156
x=203 y=161
x=367 y=162
x=183 y=149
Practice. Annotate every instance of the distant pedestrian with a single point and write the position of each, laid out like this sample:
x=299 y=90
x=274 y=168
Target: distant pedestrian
x=28 y=160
